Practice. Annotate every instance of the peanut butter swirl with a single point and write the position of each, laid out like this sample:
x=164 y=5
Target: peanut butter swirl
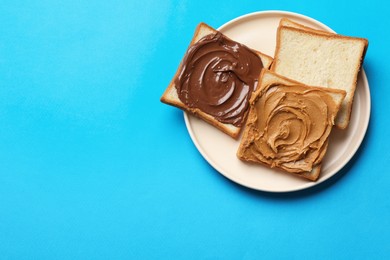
x=291 y=125
x=218 y=76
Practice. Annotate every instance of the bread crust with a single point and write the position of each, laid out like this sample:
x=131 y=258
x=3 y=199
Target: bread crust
x=290 y=23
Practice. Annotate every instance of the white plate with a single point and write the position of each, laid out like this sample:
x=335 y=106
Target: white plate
x=258 y=30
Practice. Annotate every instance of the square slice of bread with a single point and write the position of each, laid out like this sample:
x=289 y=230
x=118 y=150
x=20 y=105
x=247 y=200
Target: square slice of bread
x=319 y=58
x=288 y=125
x=171 y=96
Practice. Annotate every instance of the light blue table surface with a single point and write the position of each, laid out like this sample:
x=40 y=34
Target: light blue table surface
x=93 y=166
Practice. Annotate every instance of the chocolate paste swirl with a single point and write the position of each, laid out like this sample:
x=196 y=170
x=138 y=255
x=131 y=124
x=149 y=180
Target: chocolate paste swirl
x=218 y=76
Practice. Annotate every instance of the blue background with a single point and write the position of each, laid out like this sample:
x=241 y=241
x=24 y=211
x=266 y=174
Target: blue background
x=93 y=166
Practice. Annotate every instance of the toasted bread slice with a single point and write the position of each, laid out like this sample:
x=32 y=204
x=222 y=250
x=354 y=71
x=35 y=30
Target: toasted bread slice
x=171 y=96
x=318 y=58
x=288 y=125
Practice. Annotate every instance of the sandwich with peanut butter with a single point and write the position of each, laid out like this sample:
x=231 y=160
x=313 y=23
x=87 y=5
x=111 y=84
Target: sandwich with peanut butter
x=215 y=80
x=289 y=124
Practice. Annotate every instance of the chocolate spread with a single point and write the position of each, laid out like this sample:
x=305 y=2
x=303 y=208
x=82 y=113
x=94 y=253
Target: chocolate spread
x=218 y=76
x=291 y=125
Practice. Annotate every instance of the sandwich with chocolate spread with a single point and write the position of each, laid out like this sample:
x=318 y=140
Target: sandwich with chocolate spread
x=215 y=80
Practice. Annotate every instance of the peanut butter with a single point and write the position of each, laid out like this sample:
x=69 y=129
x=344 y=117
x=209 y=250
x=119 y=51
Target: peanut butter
x=218 y=76
x=290 y=127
